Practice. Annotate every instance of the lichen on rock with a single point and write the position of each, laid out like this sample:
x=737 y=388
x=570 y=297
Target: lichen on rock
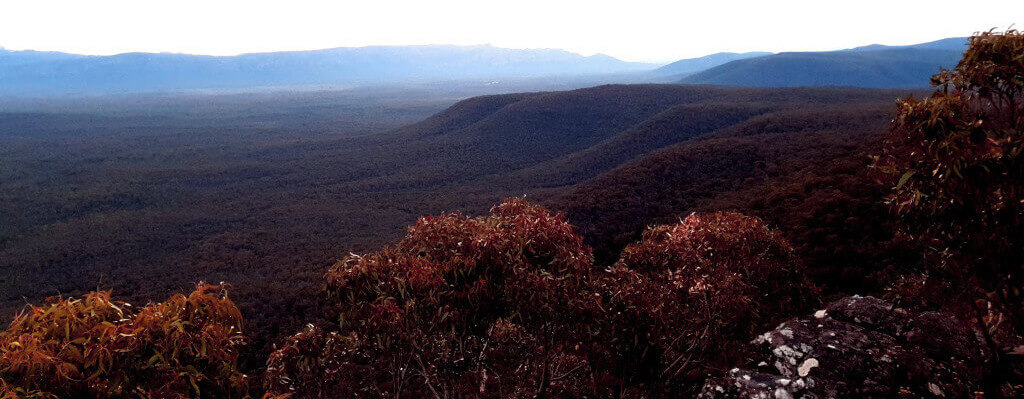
x=859 y=347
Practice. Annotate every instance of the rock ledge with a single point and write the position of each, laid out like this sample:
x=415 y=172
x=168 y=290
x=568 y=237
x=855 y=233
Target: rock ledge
x=859 y=347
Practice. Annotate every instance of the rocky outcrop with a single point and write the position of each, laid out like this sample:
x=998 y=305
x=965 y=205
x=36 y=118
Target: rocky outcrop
x=859 y=347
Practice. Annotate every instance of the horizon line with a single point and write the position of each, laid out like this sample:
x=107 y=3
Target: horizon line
x=582 y=54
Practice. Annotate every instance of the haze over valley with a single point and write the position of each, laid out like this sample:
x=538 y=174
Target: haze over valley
x=40 y=74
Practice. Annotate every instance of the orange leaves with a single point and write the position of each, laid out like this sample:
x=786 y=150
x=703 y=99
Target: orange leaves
x=314 y=361
x=710 y=243
x=960 y=140
x=993 y=61
x=95 y=347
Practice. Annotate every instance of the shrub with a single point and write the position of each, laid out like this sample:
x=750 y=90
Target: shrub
x=510 y=305
x=495 y=306
x=320 y=364
x=955 y=162
x=186 y=346
x=689 y=296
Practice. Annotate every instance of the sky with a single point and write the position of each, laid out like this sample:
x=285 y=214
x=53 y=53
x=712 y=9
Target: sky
x=632 y=30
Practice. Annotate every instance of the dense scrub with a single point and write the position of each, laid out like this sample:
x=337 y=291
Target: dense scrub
x=452 y=306
x=512 y=305
x=95 y=347
x=698 y=290
x=955 y=162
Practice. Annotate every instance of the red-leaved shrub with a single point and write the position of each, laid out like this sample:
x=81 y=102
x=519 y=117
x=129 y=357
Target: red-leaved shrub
x=496 y=306
x=687 y=297
x=511 y=305
x=94 y=347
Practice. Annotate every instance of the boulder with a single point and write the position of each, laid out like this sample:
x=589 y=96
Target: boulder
x=859 y=347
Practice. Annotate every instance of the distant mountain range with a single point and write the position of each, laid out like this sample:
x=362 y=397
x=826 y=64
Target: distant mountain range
x=692 y=65
x=32 y=72
x=869 y=66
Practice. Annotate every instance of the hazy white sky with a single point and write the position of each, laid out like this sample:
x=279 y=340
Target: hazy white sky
x=636 y=30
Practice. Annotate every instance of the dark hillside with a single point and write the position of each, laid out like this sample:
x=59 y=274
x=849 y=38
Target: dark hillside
x=561 y=138
x=692 y=65
x=687 y=121
x=803 y=171
x=462 y=114
x=677 y=124
x=520 y=134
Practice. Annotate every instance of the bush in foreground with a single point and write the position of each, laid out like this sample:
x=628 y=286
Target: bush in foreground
x=511 y=305
x=95 y=347
x=687 y=297
x=495 y=306
x=955 y=162
x=508 y=305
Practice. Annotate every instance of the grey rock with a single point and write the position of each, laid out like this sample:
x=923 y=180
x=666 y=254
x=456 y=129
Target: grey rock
x=859 y=347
